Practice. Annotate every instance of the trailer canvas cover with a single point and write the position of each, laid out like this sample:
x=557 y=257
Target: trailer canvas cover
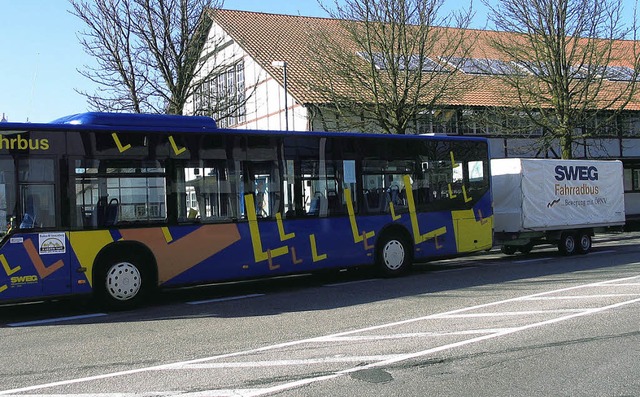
x=547 y=194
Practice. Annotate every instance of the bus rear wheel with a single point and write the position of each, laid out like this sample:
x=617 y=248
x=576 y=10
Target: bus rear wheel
x=393 y=256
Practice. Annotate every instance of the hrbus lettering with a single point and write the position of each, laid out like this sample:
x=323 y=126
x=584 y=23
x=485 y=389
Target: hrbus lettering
x=576 y=173
x=20 y=143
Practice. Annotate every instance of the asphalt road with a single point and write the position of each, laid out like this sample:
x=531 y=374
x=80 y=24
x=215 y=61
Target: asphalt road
x=486 y=325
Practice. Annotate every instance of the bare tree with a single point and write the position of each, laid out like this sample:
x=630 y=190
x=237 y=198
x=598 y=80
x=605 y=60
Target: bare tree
x=385 y=64
x=148 y=54
x=574 y=69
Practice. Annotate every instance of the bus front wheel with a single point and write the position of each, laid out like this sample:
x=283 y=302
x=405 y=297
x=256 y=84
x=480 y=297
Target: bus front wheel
x=393 y=257
x=122 y=284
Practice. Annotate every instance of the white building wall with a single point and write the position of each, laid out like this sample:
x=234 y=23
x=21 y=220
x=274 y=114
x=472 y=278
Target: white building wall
x=265 y=107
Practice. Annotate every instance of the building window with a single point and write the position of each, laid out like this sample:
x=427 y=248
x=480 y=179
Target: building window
x=440 y=121
x=630 y=125
x=223 y=97
x=632 y=178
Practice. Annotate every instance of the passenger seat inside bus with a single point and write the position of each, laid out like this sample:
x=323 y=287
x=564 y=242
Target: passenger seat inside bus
x=318 y=205
x=29 y=216
x=111 y=212
x=375 y=200
x=105 y=214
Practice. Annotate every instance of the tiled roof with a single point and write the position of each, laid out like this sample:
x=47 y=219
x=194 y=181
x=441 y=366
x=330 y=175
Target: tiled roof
x=275 y=37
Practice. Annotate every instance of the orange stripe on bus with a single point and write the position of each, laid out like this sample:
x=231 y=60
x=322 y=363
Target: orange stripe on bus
x=42 y=270
x=186 y=252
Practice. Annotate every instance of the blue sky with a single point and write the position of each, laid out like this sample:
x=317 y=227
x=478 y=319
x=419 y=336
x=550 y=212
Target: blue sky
x=40 y=53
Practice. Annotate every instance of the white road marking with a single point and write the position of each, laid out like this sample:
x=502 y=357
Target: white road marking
x=229 y=298
x=550 y=257
x=411 y=335
x=392 y=360
x=550 y=298
x=406 y=357
x=218 y=393
x=455 y=270
x=601 y=252
x=532 y=260
x=350 y=282
x=55 y=320
x=274 y=363
x=520 y=313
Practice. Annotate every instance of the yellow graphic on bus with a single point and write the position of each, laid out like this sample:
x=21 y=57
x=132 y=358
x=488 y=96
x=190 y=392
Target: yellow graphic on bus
x=121 y=147
x=7 y=268
x=357 y=237
x=392 y=210
x=258 y=252
x=464 y=194
x=86 y=246
x=418 y=237
x=283 y=236
x=176 y=150
x=472 y=234
x=314 y=249
x=453 y=160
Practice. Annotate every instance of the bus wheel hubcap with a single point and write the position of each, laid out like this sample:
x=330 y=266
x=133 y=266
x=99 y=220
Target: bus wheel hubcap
x=123 y=281
x=393 y=255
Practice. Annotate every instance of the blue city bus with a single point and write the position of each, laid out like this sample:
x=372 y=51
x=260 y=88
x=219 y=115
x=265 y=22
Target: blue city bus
x=117 y=206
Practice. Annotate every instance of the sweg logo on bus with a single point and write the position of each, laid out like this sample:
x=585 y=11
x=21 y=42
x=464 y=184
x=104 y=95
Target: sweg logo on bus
x=576 y=173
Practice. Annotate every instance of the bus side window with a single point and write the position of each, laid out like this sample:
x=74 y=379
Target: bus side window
x=206 y=192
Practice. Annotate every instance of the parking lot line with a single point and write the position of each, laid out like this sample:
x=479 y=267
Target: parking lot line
x=229 y=298
x=55 y=320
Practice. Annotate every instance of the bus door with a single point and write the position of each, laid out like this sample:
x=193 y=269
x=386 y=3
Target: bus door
x=38 y=249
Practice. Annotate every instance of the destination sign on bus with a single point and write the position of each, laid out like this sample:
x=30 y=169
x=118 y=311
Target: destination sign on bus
x=20 y=143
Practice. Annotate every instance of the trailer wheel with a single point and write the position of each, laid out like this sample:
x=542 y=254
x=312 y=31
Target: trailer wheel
x=525 y=249
x=584 y=243
x=567 y=244
x=508 y=249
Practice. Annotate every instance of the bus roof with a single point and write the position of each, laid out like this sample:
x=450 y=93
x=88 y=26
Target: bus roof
x=143 y=122
x=138 y=120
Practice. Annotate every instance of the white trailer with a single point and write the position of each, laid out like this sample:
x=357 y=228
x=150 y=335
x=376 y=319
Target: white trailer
x=547 y=201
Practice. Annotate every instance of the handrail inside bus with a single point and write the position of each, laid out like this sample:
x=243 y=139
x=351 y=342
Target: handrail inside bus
x=138 y=120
